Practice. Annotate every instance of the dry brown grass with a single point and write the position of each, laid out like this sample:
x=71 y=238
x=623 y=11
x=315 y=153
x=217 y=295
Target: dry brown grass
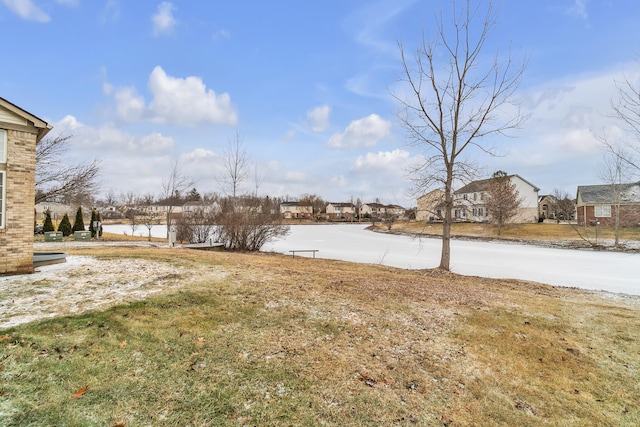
x=283 y=341
x=531 y=232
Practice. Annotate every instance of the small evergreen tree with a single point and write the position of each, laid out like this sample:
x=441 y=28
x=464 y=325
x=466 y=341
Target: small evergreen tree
x=65 y=226
x=94 y=218
x=48 y=223
x=78 y=225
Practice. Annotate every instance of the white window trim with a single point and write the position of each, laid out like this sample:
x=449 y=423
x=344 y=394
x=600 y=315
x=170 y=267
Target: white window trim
x=602 y=211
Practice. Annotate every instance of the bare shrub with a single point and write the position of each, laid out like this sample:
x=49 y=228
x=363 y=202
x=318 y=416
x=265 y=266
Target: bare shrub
x=246 y=223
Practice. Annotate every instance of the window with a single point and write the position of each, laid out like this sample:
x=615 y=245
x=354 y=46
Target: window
x=602 y=211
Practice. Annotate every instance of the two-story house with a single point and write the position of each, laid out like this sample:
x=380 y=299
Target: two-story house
x=470 y=201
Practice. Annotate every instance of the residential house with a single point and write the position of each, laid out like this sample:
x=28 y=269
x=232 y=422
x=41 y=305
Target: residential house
x=163 y=208
x=396 y=210
x=341 y=211
x=378 y=210
x=470 y=204
x=298 y=210
x=545 y=206
x=372 y=210
x=193 y=207
x=598 y=204
x=20 y=132
x=110 y=212
x=550 y=208
x=430 y=206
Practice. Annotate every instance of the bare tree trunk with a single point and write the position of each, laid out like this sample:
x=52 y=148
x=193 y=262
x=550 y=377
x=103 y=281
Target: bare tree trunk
x=456 y=100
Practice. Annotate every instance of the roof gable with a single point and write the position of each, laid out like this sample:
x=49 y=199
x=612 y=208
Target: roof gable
x=11 y=113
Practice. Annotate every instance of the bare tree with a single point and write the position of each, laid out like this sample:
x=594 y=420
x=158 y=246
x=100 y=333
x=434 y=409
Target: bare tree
x=258 y=178
x=502 y=200
x=176 y=183
x=388 y=219
x=626 y=110
x=316 y=203
x=457 y=97
x=149 y=219
x=235 y=167
x=614 y=170
x=57 y=179
x=563 y=206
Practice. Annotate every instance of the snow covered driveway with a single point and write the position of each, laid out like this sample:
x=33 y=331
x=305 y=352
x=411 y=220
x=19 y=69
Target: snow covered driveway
x=586 y=269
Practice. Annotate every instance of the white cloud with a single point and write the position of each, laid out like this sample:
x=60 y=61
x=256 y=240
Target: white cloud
x=177 y=101
x=152 y=144
x=163 y=20
x=129 y=105
x=365 y=132
x=199 y=155
x=27 y=10
x=111 y=141
x=318 y=118
x=187 y=101
x=273 y=165
x=395 y=160
x=295 y=177
x=338 y=181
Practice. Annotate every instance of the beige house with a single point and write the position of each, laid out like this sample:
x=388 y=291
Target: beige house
x=430 y=206
x=341 y=211
x=378 y=210
x=469 y=201
x=290 y=210
x=20 y=131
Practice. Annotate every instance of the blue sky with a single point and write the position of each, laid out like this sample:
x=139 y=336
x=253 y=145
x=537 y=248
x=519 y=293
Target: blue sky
x=306 y=84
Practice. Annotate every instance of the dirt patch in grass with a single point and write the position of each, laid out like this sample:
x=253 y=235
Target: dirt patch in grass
x=265 y=339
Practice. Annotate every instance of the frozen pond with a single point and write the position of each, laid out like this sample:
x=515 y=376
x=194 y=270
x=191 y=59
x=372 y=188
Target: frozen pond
x=596 y=270
x=609 y=271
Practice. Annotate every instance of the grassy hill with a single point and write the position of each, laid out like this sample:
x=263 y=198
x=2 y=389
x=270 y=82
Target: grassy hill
x=269 y=340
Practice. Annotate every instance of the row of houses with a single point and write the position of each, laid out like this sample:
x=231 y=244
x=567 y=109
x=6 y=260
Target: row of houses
x=340 y=211
x=288 y=210
x=593 y=205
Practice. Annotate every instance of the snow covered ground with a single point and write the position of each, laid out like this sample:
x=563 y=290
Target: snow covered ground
x=586 y=269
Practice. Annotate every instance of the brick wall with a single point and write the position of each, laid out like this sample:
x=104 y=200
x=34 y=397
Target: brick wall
x=16 y=239
x=629 y=216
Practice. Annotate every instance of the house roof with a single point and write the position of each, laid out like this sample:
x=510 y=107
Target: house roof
x=295 y=204
x=589 y=194
x=42 y=126
x=482 y=184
